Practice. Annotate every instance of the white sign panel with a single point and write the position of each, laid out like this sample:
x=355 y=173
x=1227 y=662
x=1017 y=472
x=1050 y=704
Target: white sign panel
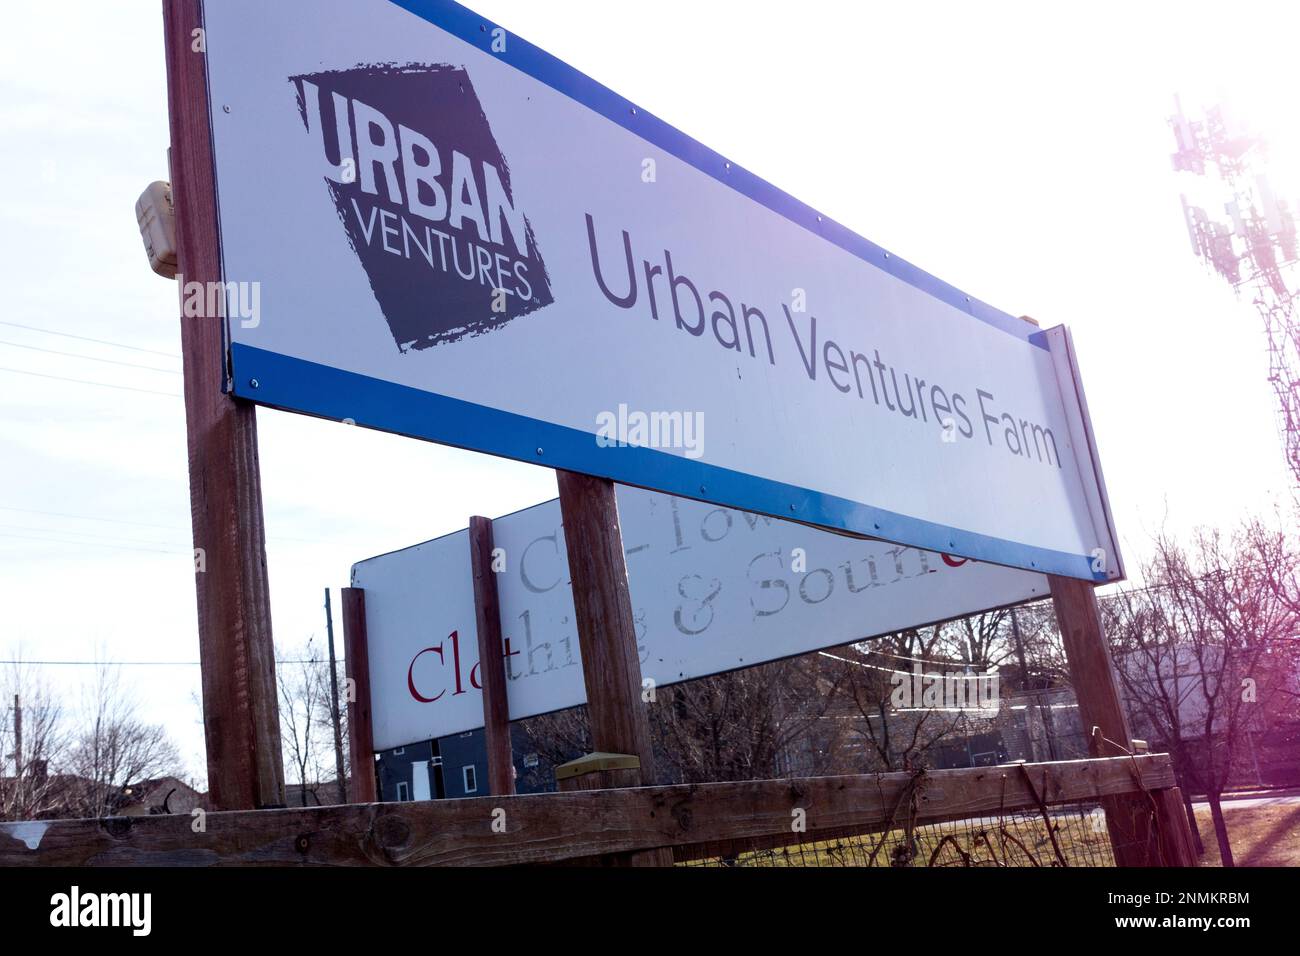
x=712 y=590
x=457 y=237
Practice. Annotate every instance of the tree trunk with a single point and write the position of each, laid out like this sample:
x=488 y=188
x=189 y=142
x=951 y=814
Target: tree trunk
x=1197 y=843
x=1220 y=827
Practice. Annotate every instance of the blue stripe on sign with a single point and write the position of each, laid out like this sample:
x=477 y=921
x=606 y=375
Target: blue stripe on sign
x=477 y=31
x=301 y=386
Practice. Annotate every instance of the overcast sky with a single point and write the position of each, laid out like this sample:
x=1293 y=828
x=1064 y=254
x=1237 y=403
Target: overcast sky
x=1020 y=154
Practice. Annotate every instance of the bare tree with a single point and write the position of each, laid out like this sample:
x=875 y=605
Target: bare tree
x=756 y=723
x=1205 y=651
x=113 y=748
x=30 y=711
x=872 y=670
x=306 y=719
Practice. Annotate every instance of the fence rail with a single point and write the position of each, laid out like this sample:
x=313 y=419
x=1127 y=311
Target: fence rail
x=713 y=821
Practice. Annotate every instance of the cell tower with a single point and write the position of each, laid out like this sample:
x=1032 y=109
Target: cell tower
x=1253 y=247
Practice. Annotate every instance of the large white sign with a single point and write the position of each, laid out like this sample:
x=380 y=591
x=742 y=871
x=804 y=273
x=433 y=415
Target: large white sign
x=712 y=590
x=457 y=237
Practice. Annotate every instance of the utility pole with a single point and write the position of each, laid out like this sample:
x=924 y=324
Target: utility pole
x=339 y=775
x=18 y=739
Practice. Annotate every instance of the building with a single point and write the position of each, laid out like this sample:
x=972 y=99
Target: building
x=452 y=766
x=159 y=796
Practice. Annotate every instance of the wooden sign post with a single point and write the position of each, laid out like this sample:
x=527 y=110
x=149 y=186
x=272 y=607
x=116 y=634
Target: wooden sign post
x=492 y=661
x=1128 y=820
x=611 y=668
x=241 y=718
x=361 y=735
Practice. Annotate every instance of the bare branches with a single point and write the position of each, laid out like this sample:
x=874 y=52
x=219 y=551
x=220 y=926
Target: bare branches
x=306 y=718
x=1206 y=650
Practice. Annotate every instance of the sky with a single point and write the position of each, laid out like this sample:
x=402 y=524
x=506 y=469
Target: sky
x=1018 y=151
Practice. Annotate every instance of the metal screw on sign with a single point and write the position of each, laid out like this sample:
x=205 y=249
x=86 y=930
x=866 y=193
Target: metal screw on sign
x=226 y=108
x=254 y=383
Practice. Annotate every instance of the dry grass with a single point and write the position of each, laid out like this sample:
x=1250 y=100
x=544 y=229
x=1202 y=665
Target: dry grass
x=1017 y=840
x=1260 y=836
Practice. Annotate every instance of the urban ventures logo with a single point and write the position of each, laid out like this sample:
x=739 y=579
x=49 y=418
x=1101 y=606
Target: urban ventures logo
x=424 y=196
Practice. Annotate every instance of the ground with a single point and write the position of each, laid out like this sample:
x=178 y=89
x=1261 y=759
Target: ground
x=1262 y=833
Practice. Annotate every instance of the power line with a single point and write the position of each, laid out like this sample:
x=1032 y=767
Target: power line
x=141 y=524
x=91 y=358
x=82 y=381
x=85 y=534
x=890 y=670
x=88 y=544
x=61 y=514
x=86 y=338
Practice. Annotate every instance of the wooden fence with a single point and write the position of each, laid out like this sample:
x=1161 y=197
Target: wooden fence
x=717 y=821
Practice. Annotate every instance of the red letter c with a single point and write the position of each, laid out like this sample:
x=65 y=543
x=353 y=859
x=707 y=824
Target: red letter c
x=410 y=676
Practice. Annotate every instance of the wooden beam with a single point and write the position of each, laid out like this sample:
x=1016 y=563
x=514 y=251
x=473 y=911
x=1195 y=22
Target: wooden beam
x=556 y=827
x=611 y=666
x=240 y=712
x=491 y=658
x=1101 y=712
x=361 y=736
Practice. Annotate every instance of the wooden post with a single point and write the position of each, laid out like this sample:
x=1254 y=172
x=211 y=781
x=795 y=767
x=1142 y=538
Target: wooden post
x=611 y=666
x=1091 y=671
x=361 y=736
x=240 y=714
x=491 y=658
x=1174 y=835
x=1129 y=820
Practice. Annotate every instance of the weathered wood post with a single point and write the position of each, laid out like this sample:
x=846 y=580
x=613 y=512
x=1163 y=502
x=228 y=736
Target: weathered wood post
x=1128 y=819
x=361 y=736
x=611 y=667
x=241 y=719
x=1173 y=832
x=491 y=659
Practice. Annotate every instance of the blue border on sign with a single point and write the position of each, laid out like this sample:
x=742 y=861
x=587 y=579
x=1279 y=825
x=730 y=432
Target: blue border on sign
x=321 y=390
x=476 y=30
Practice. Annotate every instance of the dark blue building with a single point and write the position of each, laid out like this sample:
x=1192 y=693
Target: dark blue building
x=454 y=766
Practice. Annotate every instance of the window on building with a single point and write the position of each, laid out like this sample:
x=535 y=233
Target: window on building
x=403 y=791
x=471 y=778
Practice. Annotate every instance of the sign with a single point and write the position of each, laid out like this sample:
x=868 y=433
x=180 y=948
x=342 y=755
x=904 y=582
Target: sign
x=454 y=236
x=712 y=590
